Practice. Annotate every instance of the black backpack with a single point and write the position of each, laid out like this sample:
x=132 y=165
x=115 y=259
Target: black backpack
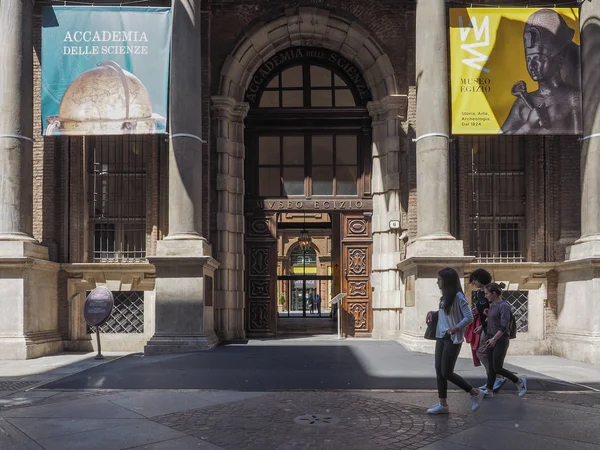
x=513 y=326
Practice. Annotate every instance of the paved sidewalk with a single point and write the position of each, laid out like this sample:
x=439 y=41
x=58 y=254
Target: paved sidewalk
x=294 y=395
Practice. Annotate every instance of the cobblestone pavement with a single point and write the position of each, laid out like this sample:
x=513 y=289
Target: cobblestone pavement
x=353 y=421
x=268 y=404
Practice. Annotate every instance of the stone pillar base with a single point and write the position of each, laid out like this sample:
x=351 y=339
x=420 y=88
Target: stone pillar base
x=28 y=301
x=435 y=247
x=577 y=329
x=579 y=348
x=30 y=345
x=184 y=304
x=583 y=249
x=162 y=345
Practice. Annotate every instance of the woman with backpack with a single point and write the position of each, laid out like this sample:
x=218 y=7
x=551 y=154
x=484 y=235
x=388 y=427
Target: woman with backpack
x=452 y=318
x=475 y=332
x=498 y=338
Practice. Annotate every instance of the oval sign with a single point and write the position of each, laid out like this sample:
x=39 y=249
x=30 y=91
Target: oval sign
x=98 y=306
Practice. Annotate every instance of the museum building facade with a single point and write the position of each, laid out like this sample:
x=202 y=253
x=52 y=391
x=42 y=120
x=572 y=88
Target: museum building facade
x=308 y=154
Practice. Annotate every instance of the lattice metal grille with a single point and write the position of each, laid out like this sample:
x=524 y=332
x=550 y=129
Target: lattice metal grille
x=117 y=197
x=496 y=194
x=519 y=302
x=127 y=315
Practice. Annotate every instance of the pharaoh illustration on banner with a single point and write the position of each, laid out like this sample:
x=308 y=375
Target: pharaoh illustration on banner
x=105 y=70
x=515 y=71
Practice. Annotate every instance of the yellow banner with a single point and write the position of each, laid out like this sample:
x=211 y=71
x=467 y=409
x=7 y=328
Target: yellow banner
x=515 y=71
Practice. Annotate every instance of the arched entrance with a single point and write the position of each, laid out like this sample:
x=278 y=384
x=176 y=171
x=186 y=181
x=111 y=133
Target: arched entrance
x=357 y=50
x=308 y=137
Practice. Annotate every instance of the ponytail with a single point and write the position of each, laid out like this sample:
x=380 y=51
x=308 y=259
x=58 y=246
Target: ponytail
x=496 y=288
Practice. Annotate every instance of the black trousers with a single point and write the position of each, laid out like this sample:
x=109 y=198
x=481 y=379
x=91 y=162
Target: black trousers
x=446 y=354
x=496 y=355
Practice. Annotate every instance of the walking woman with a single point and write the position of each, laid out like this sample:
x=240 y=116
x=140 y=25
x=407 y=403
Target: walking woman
x=454 y=315
x=498 y=332
x=476 y=332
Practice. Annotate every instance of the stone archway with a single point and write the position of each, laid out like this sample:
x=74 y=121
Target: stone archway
x=308 y=26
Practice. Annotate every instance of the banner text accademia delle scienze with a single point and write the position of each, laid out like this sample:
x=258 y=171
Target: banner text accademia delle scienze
x=515 y=71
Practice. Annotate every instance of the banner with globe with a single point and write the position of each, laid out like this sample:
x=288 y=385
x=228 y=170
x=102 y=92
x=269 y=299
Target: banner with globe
x=105 y=70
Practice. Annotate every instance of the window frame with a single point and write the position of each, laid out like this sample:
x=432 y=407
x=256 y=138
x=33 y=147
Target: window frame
x=308 y=164
x=116 y=224
x=507 y=163
x=307 y=88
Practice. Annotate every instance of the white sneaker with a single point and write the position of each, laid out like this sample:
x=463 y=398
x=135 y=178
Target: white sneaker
x=438 y=409
x=487 y=393
x=499 y=383
x=482 y=387
x=476 y=400
x=522 y=386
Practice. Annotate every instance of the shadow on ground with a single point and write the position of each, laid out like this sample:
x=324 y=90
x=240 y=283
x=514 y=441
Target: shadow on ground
x=287 y=365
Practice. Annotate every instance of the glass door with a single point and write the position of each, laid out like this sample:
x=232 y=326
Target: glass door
x=304 y=274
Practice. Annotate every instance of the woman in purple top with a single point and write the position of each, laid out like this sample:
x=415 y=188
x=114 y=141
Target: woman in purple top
x=498 y=331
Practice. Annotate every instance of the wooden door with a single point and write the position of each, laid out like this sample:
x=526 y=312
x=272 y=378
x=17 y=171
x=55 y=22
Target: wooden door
x=357 y=249
x=261 y=276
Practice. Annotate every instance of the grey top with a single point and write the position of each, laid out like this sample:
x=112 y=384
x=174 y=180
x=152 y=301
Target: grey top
x=498 y=318
x=459 y=316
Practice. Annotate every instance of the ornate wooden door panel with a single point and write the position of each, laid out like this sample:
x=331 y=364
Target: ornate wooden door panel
x=356 y=281
x=261 y=276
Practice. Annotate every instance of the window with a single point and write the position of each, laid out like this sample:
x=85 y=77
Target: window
x=328 y=163
x=116 y=169
x=493 y=178
x=334 y=165
x=309 y=86
x=300 y=258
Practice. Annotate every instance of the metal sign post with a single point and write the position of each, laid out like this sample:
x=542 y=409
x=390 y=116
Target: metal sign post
x=99 y=355
x=337 y=300
x=97 y=309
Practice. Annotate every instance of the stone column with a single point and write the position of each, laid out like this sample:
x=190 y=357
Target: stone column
x=433 y=178
x=185 y=126
x=183 y=322
x=590 y=150
x=230 y=291
x=16 y=121
x=28 y=282
x=387 y=176
x=577 y=328
x=434 y=247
